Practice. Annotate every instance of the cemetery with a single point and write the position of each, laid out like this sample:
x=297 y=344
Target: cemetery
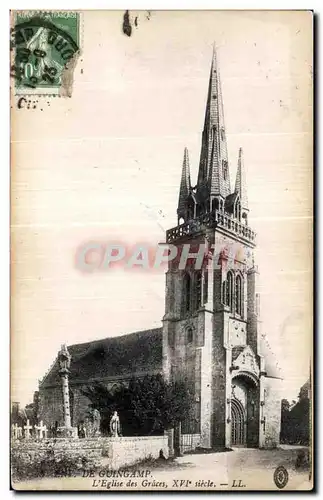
x=40 y=451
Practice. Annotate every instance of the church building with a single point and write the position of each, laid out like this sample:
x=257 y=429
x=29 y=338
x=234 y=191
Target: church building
x=211 y=328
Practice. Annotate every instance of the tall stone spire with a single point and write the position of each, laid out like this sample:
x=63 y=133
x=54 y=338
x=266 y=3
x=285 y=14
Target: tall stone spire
x=213 y=176
x=241 y=185
x=185 y=186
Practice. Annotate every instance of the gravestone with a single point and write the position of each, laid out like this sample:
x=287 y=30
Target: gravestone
x=27 y=429
x=16 y=431
x=41 y=430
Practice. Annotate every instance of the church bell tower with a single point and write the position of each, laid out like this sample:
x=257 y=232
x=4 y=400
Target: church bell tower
x=211 y=335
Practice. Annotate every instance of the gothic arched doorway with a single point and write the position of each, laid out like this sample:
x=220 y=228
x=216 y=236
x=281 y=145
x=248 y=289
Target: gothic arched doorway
x=238 y=423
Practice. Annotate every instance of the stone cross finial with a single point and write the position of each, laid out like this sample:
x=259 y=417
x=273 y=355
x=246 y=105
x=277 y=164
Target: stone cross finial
x=27 y=429
x=16 y=431
x=41 y=430
x=64 y=358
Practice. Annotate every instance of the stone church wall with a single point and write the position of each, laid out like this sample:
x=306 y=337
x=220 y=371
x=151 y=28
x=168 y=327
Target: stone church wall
x=219 y=383
x=51 y=410
x=79 y=406
x=272 y=412
x=186 y=362
x=50 y=406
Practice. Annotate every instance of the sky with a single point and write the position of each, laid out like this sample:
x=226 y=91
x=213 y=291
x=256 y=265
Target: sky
x=105 y=165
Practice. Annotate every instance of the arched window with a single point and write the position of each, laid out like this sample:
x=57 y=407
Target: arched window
x=224 y=292
x=205 y=287
x=238 y=294
x=201 y=209
x=190 y=208
x=229 y=290
x=197 y=290
x=238 y=211
x=187 y=292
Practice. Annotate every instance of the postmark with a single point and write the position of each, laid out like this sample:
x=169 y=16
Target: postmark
x=281 y=477
x=45 y=47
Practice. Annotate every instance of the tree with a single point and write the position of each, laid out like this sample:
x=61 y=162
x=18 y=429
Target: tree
x=17 y=414
x=284 y=427
x=32 y=409
x=147 y=406
x=295 y=418
x=299 y=420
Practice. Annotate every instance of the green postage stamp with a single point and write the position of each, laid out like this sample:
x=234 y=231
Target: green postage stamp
x=45 y=47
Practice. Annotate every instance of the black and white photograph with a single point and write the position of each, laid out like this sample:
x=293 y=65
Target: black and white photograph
x=161 y=250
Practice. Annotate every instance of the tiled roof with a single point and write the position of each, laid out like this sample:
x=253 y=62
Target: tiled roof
x=139 y=352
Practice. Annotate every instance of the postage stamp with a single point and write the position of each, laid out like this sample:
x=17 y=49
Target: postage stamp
x=45 y=47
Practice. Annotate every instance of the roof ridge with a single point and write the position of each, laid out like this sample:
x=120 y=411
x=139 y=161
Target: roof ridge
x=116 y=337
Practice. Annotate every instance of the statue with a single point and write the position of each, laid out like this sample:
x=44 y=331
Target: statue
x=115 y=425
x=96 y=422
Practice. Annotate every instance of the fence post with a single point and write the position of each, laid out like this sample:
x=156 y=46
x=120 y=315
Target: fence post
x=170 y=435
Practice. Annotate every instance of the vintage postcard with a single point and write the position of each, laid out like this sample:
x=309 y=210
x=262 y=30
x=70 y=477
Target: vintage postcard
x=161 y=250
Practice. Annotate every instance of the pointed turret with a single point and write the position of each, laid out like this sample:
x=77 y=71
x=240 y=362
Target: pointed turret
x=213 y=177
x=185 y=187
x=241 y=185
